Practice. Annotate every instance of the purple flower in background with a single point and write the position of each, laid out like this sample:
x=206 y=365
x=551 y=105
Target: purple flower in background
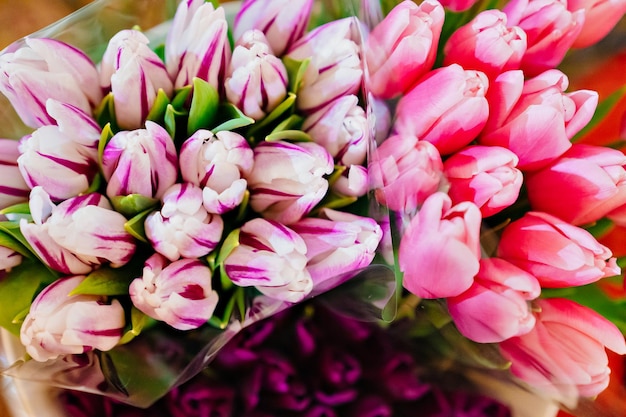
x=201 y=398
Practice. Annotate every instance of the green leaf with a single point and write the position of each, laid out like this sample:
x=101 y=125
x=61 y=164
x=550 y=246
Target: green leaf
x=600 y=228
x=21 y=208
x=11 y=236
x=289 y=135
x=105 y=111
x=105 y=137
x=110 y=373
x=287 y=106
x=160 y=51
x=204 y=105
x=133 y=204
x=234 y=119
x=157 y=112
x=295 y=72
x=180 y=98
x=230 y=243
x=603 y=109
x=138 y=321
x=136 y=226
x=106 y=281
x=95 y=185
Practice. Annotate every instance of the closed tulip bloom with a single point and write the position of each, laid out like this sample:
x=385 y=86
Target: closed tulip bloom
x=457 y=5
x=141 y=161
x=13 y=188
x=178 y=293
x=62 y=324
x=495 y=307
x=338 y=243
x=197 y=44
x=256 y=81
x=440 y=249
x=48 y=69
x=135 y=74
x=447 y=107
x=183 y=228
x=270 y=256
x=9 y=258
x=601 y=16
x=405 y=171
x=486 y=44
x=555 y=252
x=354 y=182
x=66 y=237
x=484 y=175
x=283 y=22
x=565 y=353
x=288 y=179
x=332 y=72
x=403 y=47
x=342 y=129
x=61 y=158
x=536 y=118
x=217 y=163
x=551 y=30
x=591 y=181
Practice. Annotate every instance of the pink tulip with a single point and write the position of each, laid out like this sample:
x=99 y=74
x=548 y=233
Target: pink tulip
x=601 y=16
x=332 y=72
x=486 y=44
x=13 y=189
x=536 y=119
x=564 y=355
x=217 y=163
x=61 y=158
x=495 y=307
x=141 y=161
x=69 y=240
x=197 y=44
x=354 y=182
x=484 y=175
x=404 y=172
x=135 y=74
x=62 y=324
x=550 y=27
x=338 y=243
x=48 y=69
x=9 y=259
x=342 y=129
x=403 y=47
x=447 y=107
x=256 y=80
x=554 y=251
x=183 y=228
x=287 y=180
x=591 y=182
x=282 y=21
x=178 y=293
x=440 y=249
x=458 y=5
x=272 y=258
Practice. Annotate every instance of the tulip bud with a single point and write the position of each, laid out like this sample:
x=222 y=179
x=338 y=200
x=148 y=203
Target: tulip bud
x=458 y=5
x=403 y=47
x=13 y=189
x=283 y=22
x=197 y=44
x=141 y=161
x=217 y=163
x=287 y=180
x=178 y=293
x=270 y=256
x=48 y=69
x=60 y=324
x=447 y=107
x=183 y=228
x=332 y=72
x=354 y=182
x=257 y=81
x=135 y=74
x=61 y=158
x=9 y=258
x=484 y=175
x=601 y=16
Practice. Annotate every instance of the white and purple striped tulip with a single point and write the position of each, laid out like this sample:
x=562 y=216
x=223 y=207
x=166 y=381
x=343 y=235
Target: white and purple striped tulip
x=9 y=258
x=333 y=72
x=62 y=324
x=354 y=182
x=141 y=161
x=78 y=234
x=282 y=21
x=342 y=128
x=44 y=69
x=61 y=158
x=13 y=189
x=217 y=163
x=271 y=257
x=178 y=293
x=288 y=179
x=134 y=73
x=197 y=44
x=257 y=80
x=338 y=243
x=183 y=228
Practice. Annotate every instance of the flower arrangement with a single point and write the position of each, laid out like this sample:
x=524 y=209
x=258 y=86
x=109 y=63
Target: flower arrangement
x=187 y=181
